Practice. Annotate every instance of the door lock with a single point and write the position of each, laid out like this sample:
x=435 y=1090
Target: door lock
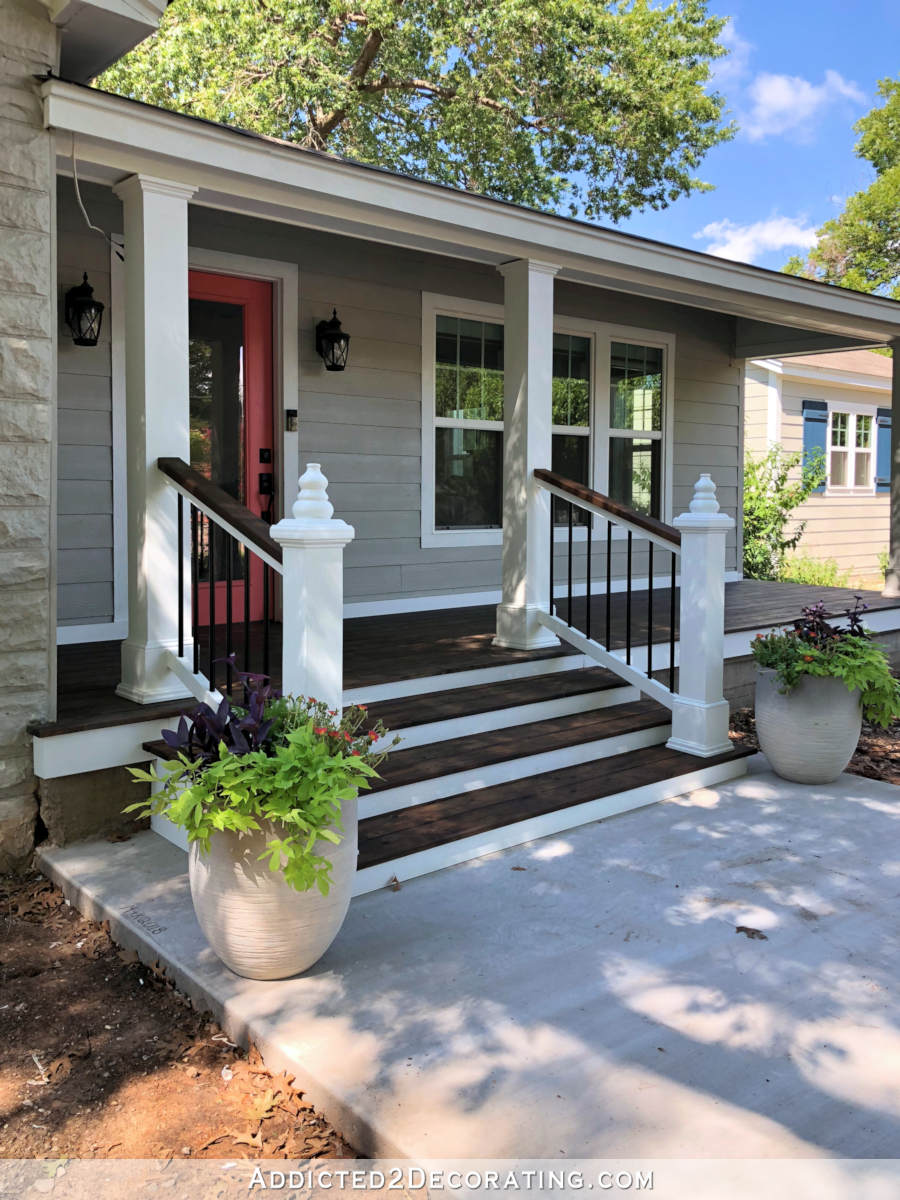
x=266 y=483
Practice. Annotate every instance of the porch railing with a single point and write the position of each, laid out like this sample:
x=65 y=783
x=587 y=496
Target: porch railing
x=224 y=534
x=231 y=545
x=692 y=552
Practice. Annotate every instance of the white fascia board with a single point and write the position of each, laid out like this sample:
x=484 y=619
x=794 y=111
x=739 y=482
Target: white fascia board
x=237 y=170
x=851 y=379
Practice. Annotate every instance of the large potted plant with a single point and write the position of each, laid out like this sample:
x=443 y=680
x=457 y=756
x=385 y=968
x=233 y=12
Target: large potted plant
x=267 y=793
x=816 y=682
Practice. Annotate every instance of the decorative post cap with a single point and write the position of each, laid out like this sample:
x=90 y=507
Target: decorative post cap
x=704 y=500
x=312 y=501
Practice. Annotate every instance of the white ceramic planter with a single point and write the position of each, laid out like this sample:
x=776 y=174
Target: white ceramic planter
x=809 y=734
x=256 y=923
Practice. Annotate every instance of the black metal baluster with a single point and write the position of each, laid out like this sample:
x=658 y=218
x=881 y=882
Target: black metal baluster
x=608 y=584
x=552 y=606
x=211 y=673
x=628 y=605
x=266 y=570
x=180 y=575
x=672 y=627
x=195 y=584
x=650 y=610
x=587 y=629
x=569 y=613
x=246 y=608
x=229 y=644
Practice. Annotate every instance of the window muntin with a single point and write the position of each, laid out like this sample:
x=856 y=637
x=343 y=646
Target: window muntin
x=850 y=450
x=635 y=426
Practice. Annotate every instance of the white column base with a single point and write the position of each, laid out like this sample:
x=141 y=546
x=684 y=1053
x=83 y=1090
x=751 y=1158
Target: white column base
x=147 y=676
x=891 y=584
x=519 y=627
x=700 y=728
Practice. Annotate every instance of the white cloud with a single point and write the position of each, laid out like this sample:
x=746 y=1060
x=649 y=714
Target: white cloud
x=789 y=104
x=745 y=243
x=729 y=71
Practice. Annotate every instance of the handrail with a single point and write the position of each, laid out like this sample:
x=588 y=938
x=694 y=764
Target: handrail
x=587 y=498
x=244 y=525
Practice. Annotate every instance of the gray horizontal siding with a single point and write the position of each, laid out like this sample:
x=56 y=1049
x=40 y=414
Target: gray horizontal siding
x=84 y=422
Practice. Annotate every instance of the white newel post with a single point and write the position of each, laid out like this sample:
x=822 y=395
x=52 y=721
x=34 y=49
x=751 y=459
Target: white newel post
x=527 y=444
x=157 y=425
x=312 y=542
x=700 y=714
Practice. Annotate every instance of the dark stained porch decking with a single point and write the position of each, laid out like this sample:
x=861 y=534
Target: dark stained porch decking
x=409 y=645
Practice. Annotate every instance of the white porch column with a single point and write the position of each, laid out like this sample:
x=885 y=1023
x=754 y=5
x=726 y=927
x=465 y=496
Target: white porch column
x=527 y=413
x=312 y=605
x=157 y=421
x=700 y=714
x=892 y=578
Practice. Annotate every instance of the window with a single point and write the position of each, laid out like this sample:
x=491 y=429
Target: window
x=850 y=450
x=608 y=418
x=635 y=426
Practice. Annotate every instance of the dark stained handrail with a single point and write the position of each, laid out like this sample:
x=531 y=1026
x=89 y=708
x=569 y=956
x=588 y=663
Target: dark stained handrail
x=252 y=529
x=616 y=510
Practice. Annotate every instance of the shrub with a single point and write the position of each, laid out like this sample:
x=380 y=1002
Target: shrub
x=884 y=561
x=770 y=497
x=815 y=646
x=817 y=572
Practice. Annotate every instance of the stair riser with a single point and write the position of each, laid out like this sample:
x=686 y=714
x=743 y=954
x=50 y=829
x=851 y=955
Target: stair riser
x=450 y=854
x=394 y=799
x=427 y=684
x=508 y=718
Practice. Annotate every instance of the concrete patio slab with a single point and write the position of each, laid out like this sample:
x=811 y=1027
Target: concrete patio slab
x=585 y=995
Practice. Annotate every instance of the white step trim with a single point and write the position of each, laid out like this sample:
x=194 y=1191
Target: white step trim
x=423 y=685
x=370 y=879
x=505 y=718
x=373 y=804
x=63 y=754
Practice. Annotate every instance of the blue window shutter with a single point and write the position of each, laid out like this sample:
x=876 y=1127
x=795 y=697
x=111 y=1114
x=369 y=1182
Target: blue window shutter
x=883 y=450
x=815 y=429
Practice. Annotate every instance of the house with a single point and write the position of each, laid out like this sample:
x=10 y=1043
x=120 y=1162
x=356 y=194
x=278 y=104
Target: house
x=839 y=403
x=520 y=540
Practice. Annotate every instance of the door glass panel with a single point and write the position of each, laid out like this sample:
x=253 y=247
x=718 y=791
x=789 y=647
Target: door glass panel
x=217 y=416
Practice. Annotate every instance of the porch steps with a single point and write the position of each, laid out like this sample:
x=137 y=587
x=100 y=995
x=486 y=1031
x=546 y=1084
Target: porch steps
x=401 y=845
x=424 y=773
x=462 y=711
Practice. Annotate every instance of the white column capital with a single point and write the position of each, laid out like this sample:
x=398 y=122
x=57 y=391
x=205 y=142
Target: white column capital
x=534 y=266
x=139 y=184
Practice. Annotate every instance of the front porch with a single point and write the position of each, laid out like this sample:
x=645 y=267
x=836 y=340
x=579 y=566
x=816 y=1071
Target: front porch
x=414 y=653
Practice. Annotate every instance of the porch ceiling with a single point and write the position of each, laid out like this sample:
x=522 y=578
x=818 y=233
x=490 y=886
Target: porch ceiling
x=263 y=177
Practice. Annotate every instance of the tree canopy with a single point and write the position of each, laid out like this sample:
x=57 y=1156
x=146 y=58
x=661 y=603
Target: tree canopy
x=860 y=249
x=598 y=107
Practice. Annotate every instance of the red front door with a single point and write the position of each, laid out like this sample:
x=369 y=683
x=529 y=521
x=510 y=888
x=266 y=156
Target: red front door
x=232 y=435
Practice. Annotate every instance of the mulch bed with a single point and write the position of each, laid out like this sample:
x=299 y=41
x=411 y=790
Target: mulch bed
x=100 y=1057
x=877 y=755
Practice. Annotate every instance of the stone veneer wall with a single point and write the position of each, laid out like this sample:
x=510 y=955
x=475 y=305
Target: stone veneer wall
x=28 y=47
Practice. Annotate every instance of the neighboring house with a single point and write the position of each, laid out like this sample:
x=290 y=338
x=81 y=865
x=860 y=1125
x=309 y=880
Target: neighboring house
x=504 y=365
x=839 y=403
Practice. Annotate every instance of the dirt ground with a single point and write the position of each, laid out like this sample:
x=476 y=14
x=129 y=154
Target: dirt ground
x=101 y=1058
x=877 y=755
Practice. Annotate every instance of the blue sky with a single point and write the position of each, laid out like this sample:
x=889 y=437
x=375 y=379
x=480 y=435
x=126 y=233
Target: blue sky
x=800 y=73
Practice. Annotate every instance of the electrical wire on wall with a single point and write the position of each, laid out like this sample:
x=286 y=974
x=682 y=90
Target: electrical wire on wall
x=94 y=228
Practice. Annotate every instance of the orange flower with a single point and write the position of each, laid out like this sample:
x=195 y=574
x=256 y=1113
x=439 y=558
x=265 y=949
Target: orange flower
x=807 y=658
x=320 y=729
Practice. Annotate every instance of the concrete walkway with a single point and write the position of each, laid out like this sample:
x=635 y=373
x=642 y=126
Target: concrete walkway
x=586 y=995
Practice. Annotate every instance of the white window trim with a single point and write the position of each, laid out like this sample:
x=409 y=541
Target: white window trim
x=855 y=410
x=285 y=278
x=601 y=334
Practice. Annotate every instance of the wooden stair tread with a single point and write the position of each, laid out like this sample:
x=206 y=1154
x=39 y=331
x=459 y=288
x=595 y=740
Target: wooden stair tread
x=470 y=752
x=407 y=831
x=491 y=697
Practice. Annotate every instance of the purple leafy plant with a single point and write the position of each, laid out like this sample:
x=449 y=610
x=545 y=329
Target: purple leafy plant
x=242 y=728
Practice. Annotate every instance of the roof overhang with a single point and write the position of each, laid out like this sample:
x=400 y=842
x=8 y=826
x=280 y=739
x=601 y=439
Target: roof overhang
x=242 y=172
x=96 y=33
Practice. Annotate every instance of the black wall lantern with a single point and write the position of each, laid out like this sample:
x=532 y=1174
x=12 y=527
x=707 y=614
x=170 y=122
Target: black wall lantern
x=332 y=343
x=84 y=314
